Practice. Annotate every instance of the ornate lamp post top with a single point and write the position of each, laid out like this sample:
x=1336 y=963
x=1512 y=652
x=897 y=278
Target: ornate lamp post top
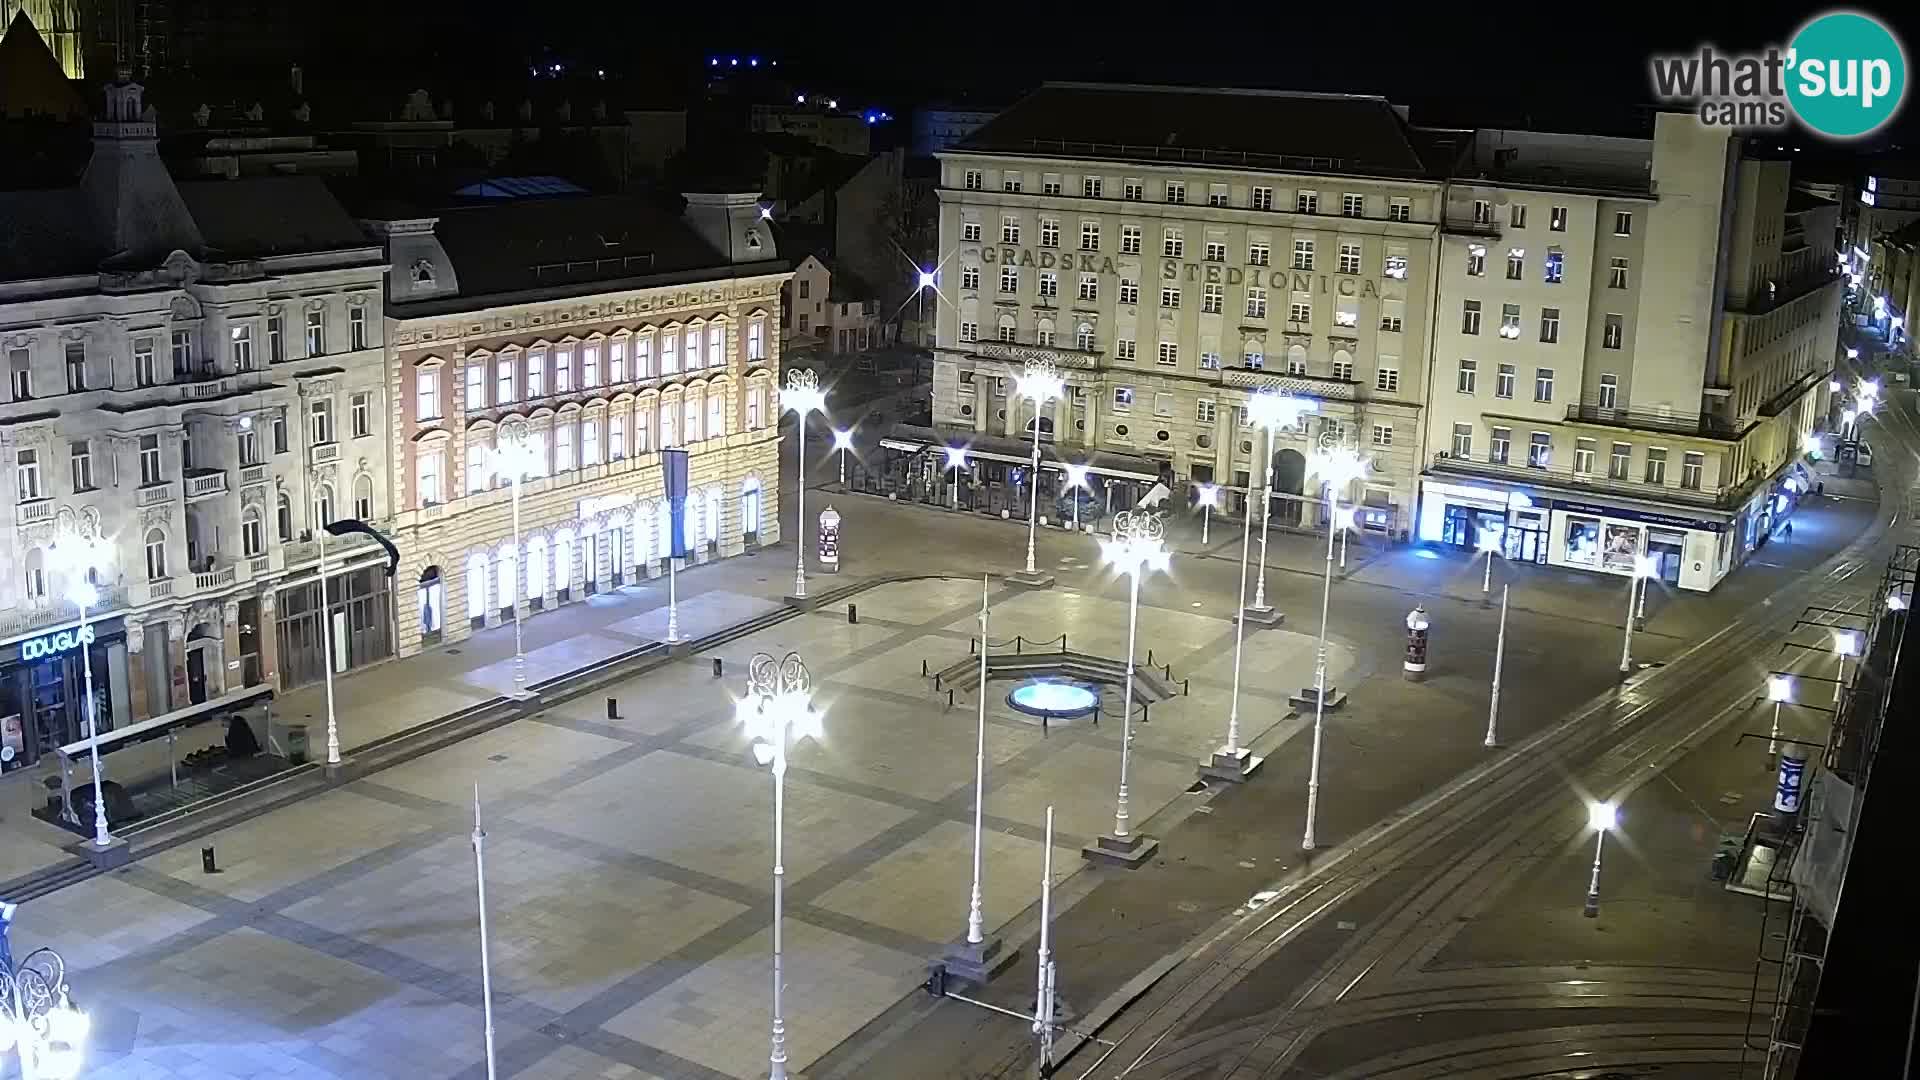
x=1040 y=380
x=1139 y=541
x=778 y=703
x=803 y=394
x=37 y=1016
x=1273 y=409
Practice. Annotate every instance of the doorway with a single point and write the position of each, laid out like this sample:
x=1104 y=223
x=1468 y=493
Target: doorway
x=1289 y=479
x=431 y=601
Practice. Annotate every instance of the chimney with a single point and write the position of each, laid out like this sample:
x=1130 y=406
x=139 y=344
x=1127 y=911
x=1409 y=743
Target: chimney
x=733 y=224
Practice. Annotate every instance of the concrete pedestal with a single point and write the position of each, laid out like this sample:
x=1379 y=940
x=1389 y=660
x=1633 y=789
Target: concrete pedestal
x=1263 y=616
x=1305 y=699
x=977 y=964
x=116 y=854
x=1234 y=767
x=802 y=603
x=1037 y=580
x=1129 y=854
x=683 y=647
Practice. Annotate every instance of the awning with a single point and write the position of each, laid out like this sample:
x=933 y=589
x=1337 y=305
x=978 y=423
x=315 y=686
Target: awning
x=908 y=445
x=159 y=726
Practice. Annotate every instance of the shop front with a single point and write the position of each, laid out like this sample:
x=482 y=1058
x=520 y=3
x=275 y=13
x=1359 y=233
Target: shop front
x=1689 y=553
x=1462 y=516
x=43 y=689
x=360 y=603
x=993 y=474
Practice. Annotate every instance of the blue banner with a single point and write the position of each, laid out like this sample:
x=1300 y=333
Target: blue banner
x=674 y=468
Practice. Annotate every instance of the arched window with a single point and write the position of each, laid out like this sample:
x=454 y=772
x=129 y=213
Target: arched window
x=750 y=506
x=253 y=533
x=363 y=497
x=283 y=517
x=477 y=585
x=562 y=559
x=322 y=506
x=156 y=555
x=537 y=566
x=710 y=530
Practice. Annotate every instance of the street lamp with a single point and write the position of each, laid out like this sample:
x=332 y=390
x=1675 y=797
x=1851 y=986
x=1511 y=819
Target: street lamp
x=1076 y=479
x=79 y=556
x=1845 y=643
x=843 y=442
x=956 y=460
x=1039 y=383
x=778 y=707
x=1602 y=817
x=1833 y=386
x=37 y=1017
x=1337 y=467
x=1779 y=691
x=1896 y=602
x=1644 y=566
x=514 y=457
x=1209 y=497
x=803 y=395
x=1138 y=545
x=1270 y=410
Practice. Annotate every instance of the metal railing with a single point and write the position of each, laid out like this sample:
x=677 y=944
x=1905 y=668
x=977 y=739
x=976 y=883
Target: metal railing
x=1567 y=477
x=1702 y=425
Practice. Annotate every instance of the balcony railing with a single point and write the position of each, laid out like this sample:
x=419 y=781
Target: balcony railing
x=159 y=588
x=33 y=513
x=253 y=474
x=1299 y=385
x=207 y=388
x=324 y=452
x=22 y=620
x=218 y=578
x=1699 y=425
x=1565 y=477
x=1467 y=225
x=154 y=495
x=203 y=482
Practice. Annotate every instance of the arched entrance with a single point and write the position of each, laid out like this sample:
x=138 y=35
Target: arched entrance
x=1289 y=483
x=429 y=599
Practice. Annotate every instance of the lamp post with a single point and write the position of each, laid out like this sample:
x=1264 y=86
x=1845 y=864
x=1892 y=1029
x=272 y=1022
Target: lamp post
x=38 y=1020
x=1043 y=959
x=843 y=442
x=1644 y=566
x=1601 y=817
x=778 y=708
x=1271 y=410
x=513 y=457
x=1499 y=659
x=1233 y=761
x=1845 y=643
x=1076 y=479
x=973 y=957
x=1779 y=691
x=1846 y=423
x=1337 y=467
x=1039 y=383
x=486 y=965
x=956 y=460
x=1489 y=544
x=804 y=396
x=1208 y=496
x=1138 y=545
x=79 y=556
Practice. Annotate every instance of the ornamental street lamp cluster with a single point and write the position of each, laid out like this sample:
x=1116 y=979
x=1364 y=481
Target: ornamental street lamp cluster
x=1338 y=466
x=1039 y=383
x=1137 y=546
x=1644 y=567
x=38 y=1020
x=1602 y=818
x=804 y=397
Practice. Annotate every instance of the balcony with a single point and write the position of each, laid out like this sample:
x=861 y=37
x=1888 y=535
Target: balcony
x=1010 y=353
x=154 y=495
x=200 y=483
x=1298 y=385
x=33 y=513
x=1697 y=425
x=218 y=578
x=148 y=591
x=204 y=389
x=24 y=620
x=323 y=453
x=254 y=474
x=1563 y=477
x=1467 y=225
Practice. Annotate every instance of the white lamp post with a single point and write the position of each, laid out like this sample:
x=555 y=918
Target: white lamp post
x=804 y=396
x=514 y=457
x=1644 y=566
x=1846 y=423
x=37 y=1017
x=1601 y=818
x=1779 y=691
x=1233 y=761
x=1489 y=544
x=1138 y=545
x=1270 y=410
x=1076 y=479
x=778 y=708
x=843 y=442
x=1039 y=383
x=1337 y=467
x=1499 y=658
x=1845 y=643
x=975 y=919
x=1208 y=496
x=486 y=964
x=79 y=556
x=956 y=460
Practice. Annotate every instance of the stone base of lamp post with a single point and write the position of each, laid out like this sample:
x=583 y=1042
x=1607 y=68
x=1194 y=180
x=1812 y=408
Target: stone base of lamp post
x=1039 y=579
x=1129 y=854
x=116 y=854
x=339 y=769
x=1307 y=698
x=1234 y=767
x=977 y=964
x=802 y=603
x=1263 y=616
x=683 y=647
x=523 y=695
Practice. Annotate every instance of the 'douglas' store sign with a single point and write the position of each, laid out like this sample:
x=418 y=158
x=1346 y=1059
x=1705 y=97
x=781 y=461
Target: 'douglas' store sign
x=56 y=643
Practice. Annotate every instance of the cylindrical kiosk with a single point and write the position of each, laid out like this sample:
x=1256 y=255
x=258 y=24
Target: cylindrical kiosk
x=830 y=540
x=1791 y=783
x=1415 y=667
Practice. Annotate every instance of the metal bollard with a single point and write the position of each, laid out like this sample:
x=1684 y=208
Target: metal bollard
x=206 y=861
x=717 y=668
x=923 y=668
x=853 y=613
x=1185 y=689
x=613 y=708
x=1149 y=657
x=949 y=699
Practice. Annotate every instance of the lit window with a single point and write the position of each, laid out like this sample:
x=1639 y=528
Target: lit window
x=1468 y=377
x=426 y=395
x=1353 y=205
x=1303 y=254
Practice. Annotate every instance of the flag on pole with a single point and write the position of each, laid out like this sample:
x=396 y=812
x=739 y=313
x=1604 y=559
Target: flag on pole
x=674 y=464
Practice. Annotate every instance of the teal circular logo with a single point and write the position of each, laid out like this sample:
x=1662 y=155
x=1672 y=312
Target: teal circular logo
x=1846 y=74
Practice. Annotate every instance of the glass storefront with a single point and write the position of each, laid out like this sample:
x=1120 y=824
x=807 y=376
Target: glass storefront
x=361 y=605
x=43 y=691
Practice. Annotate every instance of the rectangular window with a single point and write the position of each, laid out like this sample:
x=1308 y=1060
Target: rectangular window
x=1550 y=325
x=1470 y=317
x=1049 y=284
x=1172 y=244
x=1543 y=384
x=1617 y=272
x=969 y=279
x=1009 y=230
x=1306 y=202
x=76 y=367
x=151 y=472
x=1089 y=236
x=1083 y=339
x=1011 y=181
x=1517 y=215
x=1163 y=404
x=1346 y=313
x=562 y=447
x=181 y=342
x=1049 y=233
x=1556 y=266
x=1516 y=263
x=969 y=331
x=1133 y=191
x=1169 y=297
x=1613 y=332
x=1482 y=212
x=1583 y=450
x=590 y=365
x=1386 y=379
x=1303 y=254
x=1090 y=187
x=1177 y=191
x=669 y=358
x=1691 y=466
x=1050 y=185
x=280 y=431
x=81 y=452
x=428 y=467
x=1299 y=311
x=276 y=339
x=27 y=473
x=1089 y=287
x=1259 y=254
x=1609 y=391
x=1399 y=210
x=1510 y=321
x=1349 y=258
x=357 y=327
x=1169 y=353
x=426 y=396
x=1476 y=260
x=1390 y=322
x=1463 y=441
x=1043 y=336
x=1009 y=279
x=1122 y=398
x=316 y=333
x=643 y=429
x=1557 y=219
x=1129 y=291
x=476 y=386
x=240 y=346
x=248 y=444
x=537 y=371
x=1210 y=361
x=1656 y=465
x=320 y=422
x=1123 y=349
x=1253 y=358
x=1622 y=223
x=1261 y=198
x=1216 y=251
x=975 y=180
x=1343 y=370
x=563 y=362
x=1353 y=205
x=1539 y=450
x=1468 y=377
x=1213 y=299
x=505 y=395
x=360 y=414
x=1256 y=303
x=1500 y=445
x=643 y=357
x=1296 y=365
x=1204 y=411
x=617 y=427
x=1216 y=195
x=1008 y=332
x=1503 y=381
x=145 y=371
x=1383 y=434
x=1129 y=239
x=616 y=362
x=1620 y=461
x=716 y=414
x=970 y=232
x=756 y=339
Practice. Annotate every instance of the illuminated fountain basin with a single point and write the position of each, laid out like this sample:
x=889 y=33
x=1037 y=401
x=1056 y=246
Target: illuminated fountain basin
x=1054 y=699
